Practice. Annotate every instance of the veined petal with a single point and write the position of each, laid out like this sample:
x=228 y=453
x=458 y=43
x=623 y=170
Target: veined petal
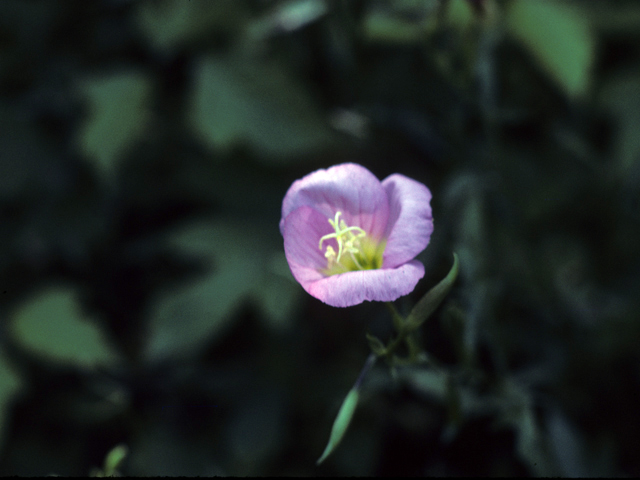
x=410 y=220
x=352 y=288
x=351 y=211
x=302 y=230
x=348 y=188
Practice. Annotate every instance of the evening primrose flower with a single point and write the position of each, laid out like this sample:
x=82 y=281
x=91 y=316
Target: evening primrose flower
x=349 y=237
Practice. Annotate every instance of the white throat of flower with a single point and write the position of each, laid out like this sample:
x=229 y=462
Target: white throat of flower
x=357 y=250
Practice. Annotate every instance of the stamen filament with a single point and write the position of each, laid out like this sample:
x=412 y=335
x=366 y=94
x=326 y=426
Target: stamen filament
x=355 y=261
x=341 y=230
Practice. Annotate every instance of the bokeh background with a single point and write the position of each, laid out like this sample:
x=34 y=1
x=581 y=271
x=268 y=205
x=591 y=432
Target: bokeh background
x=145 y=301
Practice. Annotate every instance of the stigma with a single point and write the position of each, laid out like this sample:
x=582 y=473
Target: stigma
x=356 y=251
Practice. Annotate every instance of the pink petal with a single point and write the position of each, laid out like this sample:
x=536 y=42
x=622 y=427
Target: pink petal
x=352 y=288
x=303 y=229
x=348 y=188
x=410 y=220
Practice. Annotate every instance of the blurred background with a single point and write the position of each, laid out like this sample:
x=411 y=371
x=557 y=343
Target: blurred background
x=145 y=300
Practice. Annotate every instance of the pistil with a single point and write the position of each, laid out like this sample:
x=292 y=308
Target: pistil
x=347 y=241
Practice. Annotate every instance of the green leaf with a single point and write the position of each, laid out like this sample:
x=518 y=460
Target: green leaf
x=341 y=423
x=240 y=102
x=172 y=24
x=53 y=325
x=201 y=310
x=118 y=115
x=244 y=271
x=114 y=459
x=560 y=39
x=298 y=13
x=432 y=299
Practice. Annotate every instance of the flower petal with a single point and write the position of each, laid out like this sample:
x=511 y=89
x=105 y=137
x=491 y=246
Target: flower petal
x=353 y=288
x=348 y=188
x=303 y=229
x=410 y=219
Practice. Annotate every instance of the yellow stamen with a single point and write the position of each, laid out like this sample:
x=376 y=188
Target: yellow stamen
x=365 y=253
x=341 y=233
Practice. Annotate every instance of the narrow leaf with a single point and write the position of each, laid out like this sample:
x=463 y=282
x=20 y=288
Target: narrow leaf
x=341 y=423
x=114 y=459
x=432 y=299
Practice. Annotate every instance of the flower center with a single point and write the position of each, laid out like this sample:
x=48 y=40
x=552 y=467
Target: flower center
x=356 y=251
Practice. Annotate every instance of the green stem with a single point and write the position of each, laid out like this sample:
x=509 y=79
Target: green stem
x=371 y=360
x=401 y=327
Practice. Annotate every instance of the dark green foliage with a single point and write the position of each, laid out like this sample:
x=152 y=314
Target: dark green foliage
x=145 y=301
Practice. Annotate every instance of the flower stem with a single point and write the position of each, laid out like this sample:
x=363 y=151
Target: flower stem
x=400 y=325
x=407 y=327
x=405 y=334
x=371 y=360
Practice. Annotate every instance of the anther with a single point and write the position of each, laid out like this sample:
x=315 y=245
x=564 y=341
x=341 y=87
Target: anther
x=341 y=231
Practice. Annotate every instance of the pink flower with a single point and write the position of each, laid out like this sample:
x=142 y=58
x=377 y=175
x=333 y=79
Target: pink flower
x=349 y=237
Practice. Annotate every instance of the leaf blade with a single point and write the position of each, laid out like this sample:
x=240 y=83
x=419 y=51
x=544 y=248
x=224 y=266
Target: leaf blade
x=341 y=423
